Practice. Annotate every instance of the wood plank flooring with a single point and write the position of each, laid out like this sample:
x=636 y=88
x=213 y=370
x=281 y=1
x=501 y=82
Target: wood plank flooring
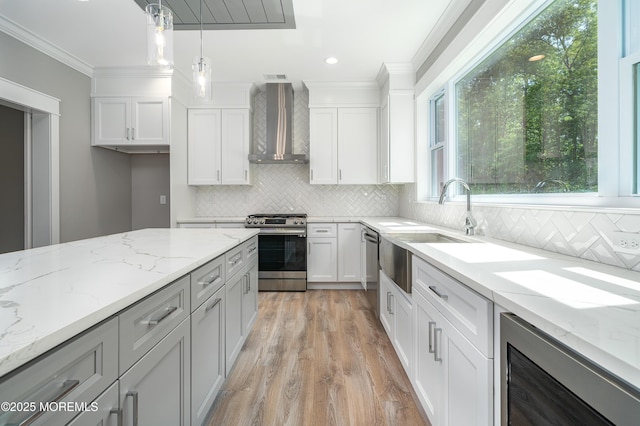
x=317 y=358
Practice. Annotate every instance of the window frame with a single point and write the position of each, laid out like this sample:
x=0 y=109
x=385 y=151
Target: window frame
x=615 y=118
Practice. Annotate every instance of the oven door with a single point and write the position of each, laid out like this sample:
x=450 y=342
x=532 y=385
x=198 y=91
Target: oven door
x=544 y=382
x=282 y=261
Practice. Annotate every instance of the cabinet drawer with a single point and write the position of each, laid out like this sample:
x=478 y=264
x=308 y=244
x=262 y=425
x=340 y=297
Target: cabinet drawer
x=251 y=249
x=103 y=411
x=77 y=371
x=322 y=230
x=206 y=280
x=148 y=321
x=468 y=311
x=234 y=261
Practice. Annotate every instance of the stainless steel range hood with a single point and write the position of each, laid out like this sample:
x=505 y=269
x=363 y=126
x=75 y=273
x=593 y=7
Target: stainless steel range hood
x=279 y=127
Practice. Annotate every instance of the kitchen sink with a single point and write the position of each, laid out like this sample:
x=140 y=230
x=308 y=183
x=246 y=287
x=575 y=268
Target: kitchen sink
x=425 y=237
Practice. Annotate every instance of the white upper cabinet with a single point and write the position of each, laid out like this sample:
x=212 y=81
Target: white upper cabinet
x=219 y=137
x=323 y=149
x=130 y=121
x=219 y=141
x=130 y=109
x=397 y=123
x=204 y=140
x=343 y=124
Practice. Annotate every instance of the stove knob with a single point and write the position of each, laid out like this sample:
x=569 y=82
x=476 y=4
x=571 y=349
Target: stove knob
x=248 y=220
x=262 y=222
x=295 y=222
x=255 y=221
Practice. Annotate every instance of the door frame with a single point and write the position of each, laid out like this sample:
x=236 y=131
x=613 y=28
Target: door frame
x=42 y=152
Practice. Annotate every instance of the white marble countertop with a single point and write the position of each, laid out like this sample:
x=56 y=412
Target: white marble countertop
x=591 y=307
x=212 y=219
x=50 y=294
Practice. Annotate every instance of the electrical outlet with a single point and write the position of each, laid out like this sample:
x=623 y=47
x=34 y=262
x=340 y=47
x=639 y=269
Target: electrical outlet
x=163 y=199
x=625 y=242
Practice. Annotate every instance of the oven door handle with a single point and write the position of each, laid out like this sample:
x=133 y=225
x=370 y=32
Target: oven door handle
x=298 y=232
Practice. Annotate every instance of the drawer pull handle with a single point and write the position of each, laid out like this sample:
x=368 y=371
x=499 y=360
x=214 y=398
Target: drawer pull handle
x=213 y=305
x=233 y=262
x=252 y=249
x=436 y=351
x=440 y=295
x=210 y=281
x=432 y=324
x=134 y=395
x=167 y=311
x=118 y=413
x=67 y=387
x=388 y=303
x=322 y=231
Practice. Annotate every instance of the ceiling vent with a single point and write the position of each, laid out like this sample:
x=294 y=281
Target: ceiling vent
x=275 y=77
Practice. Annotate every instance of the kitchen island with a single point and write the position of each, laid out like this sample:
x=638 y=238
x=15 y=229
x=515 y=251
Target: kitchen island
x=51 y=294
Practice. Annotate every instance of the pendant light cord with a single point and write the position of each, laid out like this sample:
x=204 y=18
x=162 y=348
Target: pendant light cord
x=201 y=42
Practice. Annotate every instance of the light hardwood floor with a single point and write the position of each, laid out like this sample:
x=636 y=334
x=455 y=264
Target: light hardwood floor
x=317 y=358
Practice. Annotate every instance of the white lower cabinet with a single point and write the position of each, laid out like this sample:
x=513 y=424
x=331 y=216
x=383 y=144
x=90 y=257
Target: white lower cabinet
x=452 y=377
x=207 y=355
x=333 y=253
x=156 y=390
x=397 y=319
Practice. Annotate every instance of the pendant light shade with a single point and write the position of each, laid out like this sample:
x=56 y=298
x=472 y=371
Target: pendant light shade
x=202 y=78
x=159 y=35
x=201 y=71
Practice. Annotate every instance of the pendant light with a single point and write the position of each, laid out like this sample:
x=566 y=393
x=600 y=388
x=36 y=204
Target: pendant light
x=159 y=35
x=201 y=71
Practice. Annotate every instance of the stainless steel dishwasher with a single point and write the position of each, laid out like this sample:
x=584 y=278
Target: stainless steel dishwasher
x=372 y=267
x=395 y=261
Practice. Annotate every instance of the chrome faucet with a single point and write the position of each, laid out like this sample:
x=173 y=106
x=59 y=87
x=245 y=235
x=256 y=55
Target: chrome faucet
x=469 y=223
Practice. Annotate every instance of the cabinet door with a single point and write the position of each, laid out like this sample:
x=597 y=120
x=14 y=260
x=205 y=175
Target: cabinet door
x=399 y=137
x=236 y=139
x=386 y=303
x=207 y=355
x=103 y=411
x=357 y=146
x=323 y=145
x=403 y=330
x=234 y=331
x=322 y=260
x=468 y=382
x=250 y=299
x=111 y=121
x=150 y=121
x=204 y=138
x=349 y=252
x=156 y=390
x=383 y=152
x=428 y=372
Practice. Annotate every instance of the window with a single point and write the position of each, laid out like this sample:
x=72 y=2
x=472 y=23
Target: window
x=526 y=116
x=437 y=142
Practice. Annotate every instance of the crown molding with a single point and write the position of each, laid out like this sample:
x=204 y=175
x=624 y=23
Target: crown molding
x=33 y=40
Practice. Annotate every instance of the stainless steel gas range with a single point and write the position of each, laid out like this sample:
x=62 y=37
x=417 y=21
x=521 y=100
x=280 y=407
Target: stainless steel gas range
x=282 y=251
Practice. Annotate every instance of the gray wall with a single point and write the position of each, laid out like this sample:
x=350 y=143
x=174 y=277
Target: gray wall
x=12 y=178
x=150 y=180
x=95 y=183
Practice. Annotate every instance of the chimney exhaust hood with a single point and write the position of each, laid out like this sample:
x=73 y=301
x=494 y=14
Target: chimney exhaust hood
x=279 y=124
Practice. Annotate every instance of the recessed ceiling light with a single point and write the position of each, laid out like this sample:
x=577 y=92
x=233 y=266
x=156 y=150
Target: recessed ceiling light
x=331 y=60
x=536 y=58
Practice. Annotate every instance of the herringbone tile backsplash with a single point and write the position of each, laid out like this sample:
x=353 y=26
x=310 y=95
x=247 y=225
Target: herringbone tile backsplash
x=583 y=233
x=285 y=187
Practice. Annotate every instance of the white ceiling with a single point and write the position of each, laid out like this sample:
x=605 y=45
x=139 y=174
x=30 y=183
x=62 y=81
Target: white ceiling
x=362 y=34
